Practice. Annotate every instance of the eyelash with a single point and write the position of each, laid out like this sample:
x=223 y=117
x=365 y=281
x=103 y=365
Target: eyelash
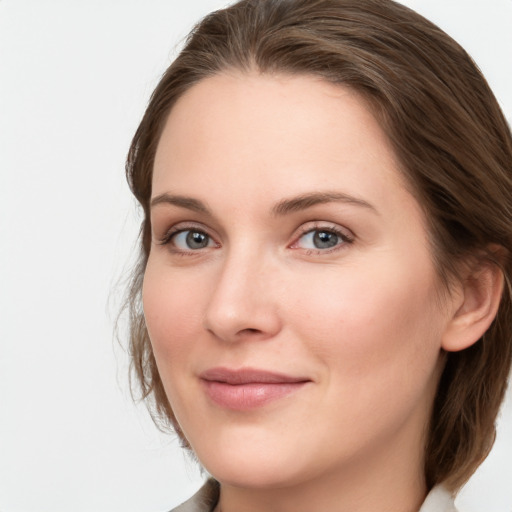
x=182 y=228
x=344 y=237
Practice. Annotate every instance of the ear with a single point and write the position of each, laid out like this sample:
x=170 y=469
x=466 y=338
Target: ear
x=478 y=297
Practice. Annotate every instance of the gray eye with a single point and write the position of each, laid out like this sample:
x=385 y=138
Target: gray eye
x=191 y=240
x=197 y=240
x=320 y=239
x=325 y=239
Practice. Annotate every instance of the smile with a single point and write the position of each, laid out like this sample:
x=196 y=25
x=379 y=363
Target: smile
x=248 y=388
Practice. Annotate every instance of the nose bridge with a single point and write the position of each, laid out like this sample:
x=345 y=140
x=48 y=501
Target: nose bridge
x=242 y=302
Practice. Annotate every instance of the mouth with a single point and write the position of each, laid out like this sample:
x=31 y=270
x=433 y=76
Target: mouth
x=248 y=388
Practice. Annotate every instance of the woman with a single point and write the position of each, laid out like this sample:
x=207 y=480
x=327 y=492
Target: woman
x=322 y=306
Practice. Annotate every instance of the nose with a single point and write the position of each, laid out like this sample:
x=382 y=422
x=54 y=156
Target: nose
x=243 y=302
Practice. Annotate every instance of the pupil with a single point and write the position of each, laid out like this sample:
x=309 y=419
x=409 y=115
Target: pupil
x=197 y=240
x=325 y=239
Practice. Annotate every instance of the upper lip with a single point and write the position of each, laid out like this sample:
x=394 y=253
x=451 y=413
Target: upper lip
x=248 y=376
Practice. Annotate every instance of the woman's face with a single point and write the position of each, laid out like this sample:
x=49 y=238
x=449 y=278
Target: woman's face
x=290 y=294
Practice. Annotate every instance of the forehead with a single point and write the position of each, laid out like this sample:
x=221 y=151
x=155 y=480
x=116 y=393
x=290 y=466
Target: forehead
x=273 y=135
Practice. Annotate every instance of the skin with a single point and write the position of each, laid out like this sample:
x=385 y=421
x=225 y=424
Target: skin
x=363 y=320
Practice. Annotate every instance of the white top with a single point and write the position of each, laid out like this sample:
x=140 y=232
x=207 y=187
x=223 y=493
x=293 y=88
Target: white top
x=438 y=500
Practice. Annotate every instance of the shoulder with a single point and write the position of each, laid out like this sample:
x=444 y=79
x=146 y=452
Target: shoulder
x=203 y=501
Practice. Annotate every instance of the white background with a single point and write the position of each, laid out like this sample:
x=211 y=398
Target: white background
x=74 y=80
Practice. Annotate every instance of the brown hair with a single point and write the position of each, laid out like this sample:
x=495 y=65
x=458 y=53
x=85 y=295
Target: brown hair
x=448 y=132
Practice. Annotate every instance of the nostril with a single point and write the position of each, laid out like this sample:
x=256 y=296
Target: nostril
x=250 y=331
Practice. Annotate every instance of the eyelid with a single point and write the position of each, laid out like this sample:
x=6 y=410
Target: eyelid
x=345 y=234
x=166 y=238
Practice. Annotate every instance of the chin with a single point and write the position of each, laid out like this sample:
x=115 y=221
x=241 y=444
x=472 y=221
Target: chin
x=254 y=476
x=250 y=464
x=247 y=460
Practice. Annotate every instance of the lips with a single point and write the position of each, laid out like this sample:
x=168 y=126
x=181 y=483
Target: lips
x=248 y=388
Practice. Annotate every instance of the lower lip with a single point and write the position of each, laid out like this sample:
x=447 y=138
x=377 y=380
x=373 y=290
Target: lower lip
x=242 y=397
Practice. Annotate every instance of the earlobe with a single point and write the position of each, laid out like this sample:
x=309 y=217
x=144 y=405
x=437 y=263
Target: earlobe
x=479 y=298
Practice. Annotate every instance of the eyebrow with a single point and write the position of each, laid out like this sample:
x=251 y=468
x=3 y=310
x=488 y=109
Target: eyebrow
x=284 y=207
x=305 y=201
x=182 y=201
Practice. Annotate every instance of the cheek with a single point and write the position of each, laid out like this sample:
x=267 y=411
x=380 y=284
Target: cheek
x=172 y=309
x=378 y=346
x=372 y=328
x=172 y=313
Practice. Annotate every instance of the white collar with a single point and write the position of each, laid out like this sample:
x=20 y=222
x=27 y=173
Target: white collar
x=438 y=500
